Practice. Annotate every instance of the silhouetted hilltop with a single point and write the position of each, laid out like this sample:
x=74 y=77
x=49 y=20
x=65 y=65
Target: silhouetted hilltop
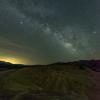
x=92 y=64
x=82 y=64
x=7 y=65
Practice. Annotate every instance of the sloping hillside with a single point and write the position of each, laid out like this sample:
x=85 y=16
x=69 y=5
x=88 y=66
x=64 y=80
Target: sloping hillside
x=45 y=82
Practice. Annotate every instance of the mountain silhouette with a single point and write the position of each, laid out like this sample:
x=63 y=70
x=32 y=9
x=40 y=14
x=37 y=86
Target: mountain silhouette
x=92 y=64
x=7 y=65
x=82 y=64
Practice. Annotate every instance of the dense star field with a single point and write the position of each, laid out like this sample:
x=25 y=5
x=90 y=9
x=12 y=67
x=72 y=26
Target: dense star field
x=46 y=31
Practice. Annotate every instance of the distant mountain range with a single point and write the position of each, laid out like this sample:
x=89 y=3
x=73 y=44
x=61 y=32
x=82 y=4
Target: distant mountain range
x=7 y=65
x=81 y=64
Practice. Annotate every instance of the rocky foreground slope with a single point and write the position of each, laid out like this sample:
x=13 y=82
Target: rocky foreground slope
x=59 y=81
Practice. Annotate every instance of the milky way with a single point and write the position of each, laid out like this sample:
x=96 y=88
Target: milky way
x=46 y=31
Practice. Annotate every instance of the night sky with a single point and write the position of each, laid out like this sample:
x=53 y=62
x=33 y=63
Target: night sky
x=47 y=31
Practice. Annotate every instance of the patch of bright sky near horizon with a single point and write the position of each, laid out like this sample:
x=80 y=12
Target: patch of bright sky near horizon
x=46 y=31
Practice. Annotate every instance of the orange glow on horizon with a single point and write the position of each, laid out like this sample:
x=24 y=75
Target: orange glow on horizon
x=12 y=60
